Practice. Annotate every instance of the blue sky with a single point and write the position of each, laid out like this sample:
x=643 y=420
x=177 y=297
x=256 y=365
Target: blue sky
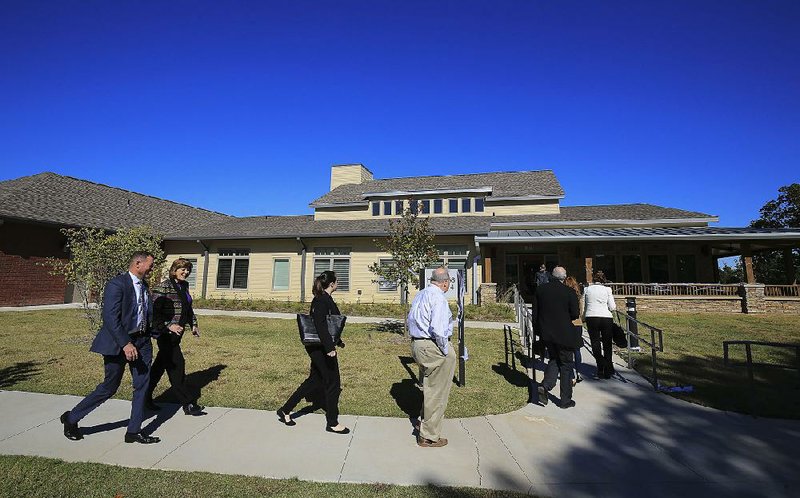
x=242 y=107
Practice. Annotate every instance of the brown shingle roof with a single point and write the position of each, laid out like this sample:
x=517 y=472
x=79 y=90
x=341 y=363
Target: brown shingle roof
x=305 y=226
x=64 y=200
x=511 y=184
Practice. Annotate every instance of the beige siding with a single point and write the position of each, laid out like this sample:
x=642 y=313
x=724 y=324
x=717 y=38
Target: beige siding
x=349 y=173
x=342 y=213
x=515 y=208
x=509 y=208
x=263 y=253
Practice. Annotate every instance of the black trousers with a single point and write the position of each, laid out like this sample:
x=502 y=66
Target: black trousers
x=600 y=333
x=561 y=363
x=170 y=359
x=324 y=377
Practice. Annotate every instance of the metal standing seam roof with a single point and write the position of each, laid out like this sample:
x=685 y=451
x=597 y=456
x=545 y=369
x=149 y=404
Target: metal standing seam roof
x=535 y=184
x=652 y=233
x=64 y=200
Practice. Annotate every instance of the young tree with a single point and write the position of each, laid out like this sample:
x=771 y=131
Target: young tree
x=783 y=212
x=410 y=242
x=96 y=257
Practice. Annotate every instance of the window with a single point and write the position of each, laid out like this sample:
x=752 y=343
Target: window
x=453 y=205
x=512 y=269
x=192 y=278
x=685 y=268
x=659 y=268
x=398 y=207
x=232 y=268
x=414 y=206
x=437 y=206
x=387 y=207
x=386 y=285
x=466 y=205
x=426 y=206
x=479 y=204
x=452 y=256
x=376 y=208
x=280 y=274
x=607 y=264
x=336 y=259
x=632 y=268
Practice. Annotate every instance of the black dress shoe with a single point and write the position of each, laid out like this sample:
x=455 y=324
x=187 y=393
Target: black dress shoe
x=542 y=395
x=343 y=431
x=193 y=409
x=71 y=431
x=138 y=437
x=568 y=404
x=282 y=417
x=150 y=405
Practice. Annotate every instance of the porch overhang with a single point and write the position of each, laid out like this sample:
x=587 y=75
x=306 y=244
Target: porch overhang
x=723 y=239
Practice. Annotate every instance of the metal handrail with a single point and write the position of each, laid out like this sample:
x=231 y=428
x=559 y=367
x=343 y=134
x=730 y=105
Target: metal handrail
x=656 y=346
x=749 y=361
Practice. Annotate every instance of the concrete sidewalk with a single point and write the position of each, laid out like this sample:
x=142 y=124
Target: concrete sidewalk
x=259 y=314
x=622 y=440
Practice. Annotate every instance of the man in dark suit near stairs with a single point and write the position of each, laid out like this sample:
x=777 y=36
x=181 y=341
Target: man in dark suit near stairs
x=124 y=339
x=554 y=307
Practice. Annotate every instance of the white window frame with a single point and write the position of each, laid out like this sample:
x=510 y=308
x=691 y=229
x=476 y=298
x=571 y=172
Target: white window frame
x=332 y=254
x=288 y=274
x=383 y=284
x=234 y=255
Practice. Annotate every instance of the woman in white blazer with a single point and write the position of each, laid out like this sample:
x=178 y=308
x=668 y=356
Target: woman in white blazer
x=598 y=305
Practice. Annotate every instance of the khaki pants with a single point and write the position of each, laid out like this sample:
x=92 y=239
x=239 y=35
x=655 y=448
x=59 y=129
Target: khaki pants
x=437 y=379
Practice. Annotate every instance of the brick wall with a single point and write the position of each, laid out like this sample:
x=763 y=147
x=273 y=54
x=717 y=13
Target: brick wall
x=685 y=304
x=23 y=281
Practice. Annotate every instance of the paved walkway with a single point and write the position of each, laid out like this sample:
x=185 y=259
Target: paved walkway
x=622 y=440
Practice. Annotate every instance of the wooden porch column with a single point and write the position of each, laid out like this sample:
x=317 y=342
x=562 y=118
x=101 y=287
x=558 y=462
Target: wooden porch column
x=589 y=271
x=788 y=264
x=747 y=264
x=487 y=268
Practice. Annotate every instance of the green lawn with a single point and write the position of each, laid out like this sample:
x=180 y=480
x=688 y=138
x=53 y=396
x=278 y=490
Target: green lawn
x=694 y=356
x=34 y=476
x=257 y=363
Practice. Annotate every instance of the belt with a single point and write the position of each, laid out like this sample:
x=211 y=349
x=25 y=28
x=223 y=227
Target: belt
x=139 y=334
x=421 y=339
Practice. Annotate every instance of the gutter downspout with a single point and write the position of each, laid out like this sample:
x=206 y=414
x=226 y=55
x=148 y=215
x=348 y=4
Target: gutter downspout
x=205 y=268
x=302 y=270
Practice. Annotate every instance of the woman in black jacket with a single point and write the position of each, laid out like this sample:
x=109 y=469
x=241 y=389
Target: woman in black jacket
x=172 y=316
x=324 y=373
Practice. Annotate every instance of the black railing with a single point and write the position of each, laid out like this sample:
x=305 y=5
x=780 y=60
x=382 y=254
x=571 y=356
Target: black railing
x=653 y=337
x=749 y=363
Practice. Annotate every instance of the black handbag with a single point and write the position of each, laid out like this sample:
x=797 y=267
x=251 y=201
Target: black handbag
x=619 y=336
x=308 y=331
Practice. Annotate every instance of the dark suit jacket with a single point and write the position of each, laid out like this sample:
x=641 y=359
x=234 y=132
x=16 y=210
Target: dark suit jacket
x=119 y=316
x=554 y=308
x=321 y=307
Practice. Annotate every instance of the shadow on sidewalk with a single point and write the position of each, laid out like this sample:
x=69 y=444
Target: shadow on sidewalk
x=407 y=393
x=18 y=372
x=195 y=381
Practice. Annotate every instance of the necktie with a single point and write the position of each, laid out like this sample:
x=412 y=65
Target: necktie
x=140 y=301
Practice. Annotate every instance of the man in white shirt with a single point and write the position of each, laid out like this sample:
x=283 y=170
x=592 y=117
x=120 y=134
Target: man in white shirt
x=430 y=326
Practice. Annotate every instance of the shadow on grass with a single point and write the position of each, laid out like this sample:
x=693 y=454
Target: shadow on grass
x=391 y=326
x=513 y=377
x=775 y=392
x=18 y=372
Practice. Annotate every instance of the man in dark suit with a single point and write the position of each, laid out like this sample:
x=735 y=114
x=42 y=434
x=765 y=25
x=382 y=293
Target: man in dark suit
x=123 y=340
x=554 y=307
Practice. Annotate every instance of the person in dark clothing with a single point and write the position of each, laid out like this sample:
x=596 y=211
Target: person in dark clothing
x=554 y=309
x=172 y=315
x=324 y=373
